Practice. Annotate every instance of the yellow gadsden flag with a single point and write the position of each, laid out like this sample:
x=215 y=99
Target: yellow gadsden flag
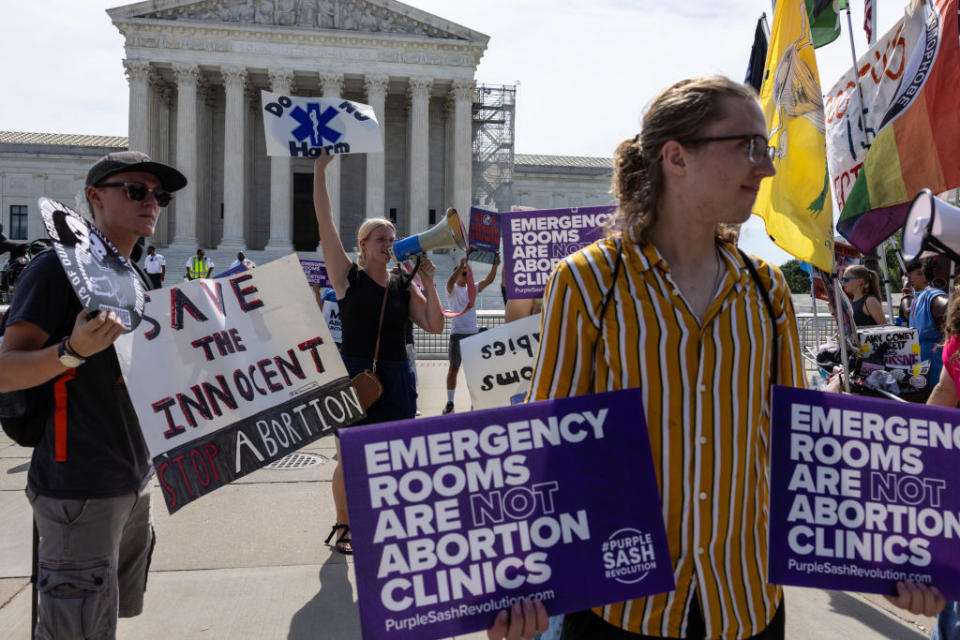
x=795 y=204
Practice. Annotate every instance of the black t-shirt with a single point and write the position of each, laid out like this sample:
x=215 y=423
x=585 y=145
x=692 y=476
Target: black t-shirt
x=106 y=454
x=360 y=314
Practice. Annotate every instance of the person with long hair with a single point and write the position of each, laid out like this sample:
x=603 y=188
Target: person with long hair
x=687 y=324
x=361 y=288
x=945 y=394
x=862 y=285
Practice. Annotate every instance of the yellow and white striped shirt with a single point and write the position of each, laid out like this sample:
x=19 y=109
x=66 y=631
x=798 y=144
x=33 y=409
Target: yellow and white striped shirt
x=706 y=393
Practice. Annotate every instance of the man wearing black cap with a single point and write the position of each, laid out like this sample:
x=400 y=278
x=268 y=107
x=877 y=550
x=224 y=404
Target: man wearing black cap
x=89 y=476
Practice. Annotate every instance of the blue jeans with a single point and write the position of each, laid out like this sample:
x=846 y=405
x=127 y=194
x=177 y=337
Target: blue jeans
x=948 y=623
x=553 y=631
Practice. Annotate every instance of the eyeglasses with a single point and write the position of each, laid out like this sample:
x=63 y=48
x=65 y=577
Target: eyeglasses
x=756 y=145
x=849 y=278
x=137 y=192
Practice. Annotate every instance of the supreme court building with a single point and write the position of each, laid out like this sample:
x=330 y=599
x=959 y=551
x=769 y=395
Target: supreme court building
x=195 y=70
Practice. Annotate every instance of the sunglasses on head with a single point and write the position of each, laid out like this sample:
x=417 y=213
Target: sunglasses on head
x=137 y=191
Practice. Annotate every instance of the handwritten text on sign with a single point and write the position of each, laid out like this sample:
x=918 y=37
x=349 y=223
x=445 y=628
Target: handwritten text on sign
x=864 y=493
x=229 y=375
x=535 y=241
x=498 y=363
x=457 y=522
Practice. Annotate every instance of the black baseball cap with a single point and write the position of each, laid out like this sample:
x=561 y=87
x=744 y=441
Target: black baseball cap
x=123 y=161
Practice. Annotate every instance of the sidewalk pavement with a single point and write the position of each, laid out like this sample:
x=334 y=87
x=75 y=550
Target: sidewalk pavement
x=248 y=561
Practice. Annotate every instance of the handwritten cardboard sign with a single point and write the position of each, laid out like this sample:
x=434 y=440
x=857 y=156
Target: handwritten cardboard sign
x=863 y=493
x=553 y=500
x=229 y=375
x=498 y=363
x=535 y=241
x=302 y=127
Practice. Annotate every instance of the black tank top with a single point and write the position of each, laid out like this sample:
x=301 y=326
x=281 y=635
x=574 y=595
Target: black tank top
x=360 y=314
x=861 y=317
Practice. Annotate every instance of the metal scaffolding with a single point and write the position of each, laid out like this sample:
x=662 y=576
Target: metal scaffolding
x=494 y=113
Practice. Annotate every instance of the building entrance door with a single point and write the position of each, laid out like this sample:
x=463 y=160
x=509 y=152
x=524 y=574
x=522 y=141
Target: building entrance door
x=306 y=234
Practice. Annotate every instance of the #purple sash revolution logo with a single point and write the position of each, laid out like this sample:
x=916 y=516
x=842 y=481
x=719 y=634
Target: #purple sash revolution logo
x=863 y=493
x=456 y=517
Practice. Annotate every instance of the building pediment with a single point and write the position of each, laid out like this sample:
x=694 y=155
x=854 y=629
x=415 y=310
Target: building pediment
x=358 y=16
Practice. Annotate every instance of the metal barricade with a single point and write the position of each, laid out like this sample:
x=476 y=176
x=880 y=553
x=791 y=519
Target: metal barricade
x=432 y=346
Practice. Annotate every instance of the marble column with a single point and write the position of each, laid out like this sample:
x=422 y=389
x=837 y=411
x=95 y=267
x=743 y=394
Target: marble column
x=138 y=75
x=234 y=172
x=376 y=87
x=462 y=147
x=281 y=179
x=185 y=202
x=333 y=88
x=418 y=215
x=159 y=121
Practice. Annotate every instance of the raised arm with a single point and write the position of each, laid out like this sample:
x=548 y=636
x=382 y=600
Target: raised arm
x=334 y=256
x=426 y=312
x=486 y=282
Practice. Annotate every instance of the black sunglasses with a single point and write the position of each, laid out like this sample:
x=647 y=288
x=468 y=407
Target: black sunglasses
x=757 y=145
x=137 y=191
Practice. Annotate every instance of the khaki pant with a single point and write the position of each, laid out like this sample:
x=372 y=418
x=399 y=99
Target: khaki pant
x=93 y=560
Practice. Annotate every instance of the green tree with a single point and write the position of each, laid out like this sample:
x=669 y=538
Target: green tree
x=797 y=278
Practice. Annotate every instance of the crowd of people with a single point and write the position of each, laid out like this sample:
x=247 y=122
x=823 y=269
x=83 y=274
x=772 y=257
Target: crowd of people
x=669 y=265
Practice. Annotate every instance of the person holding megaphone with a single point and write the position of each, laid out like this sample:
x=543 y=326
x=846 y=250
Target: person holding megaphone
x=375 y=308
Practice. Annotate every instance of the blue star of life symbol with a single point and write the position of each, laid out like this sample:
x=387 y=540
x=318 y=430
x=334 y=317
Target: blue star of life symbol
x=314 y=124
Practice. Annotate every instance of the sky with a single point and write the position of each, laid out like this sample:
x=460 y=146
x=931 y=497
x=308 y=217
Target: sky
x=585 y=69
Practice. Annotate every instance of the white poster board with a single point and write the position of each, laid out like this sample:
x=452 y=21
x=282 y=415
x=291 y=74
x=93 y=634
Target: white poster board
x=303 y=126
x=229 y=374
x=498 y=363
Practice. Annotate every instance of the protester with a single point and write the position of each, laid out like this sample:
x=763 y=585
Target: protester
x=945 y=394
x=683 y=303
x=361 y=288
x=464 y=325
x=242 y=261
x=155 y=266
x=199 y=266
x=91 y=503
x=863 y=287
x=927 y=317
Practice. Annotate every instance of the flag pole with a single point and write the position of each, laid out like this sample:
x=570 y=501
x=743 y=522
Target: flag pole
x=839 y=311
x=856 y=77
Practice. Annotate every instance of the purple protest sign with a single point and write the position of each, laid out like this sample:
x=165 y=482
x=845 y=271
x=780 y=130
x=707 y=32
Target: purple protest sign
x=484 y=230
x=863 y=493
x=456 y=517
x=316 y=272
x=535 y=241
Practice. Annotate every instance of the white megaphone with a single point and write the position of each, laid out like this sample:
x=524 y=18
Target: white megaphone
x=932 y=225
x=446 y=234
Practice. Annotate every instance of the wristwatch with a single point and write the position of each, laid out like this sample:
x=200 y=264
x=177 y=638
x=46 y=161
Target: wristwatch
x=67 y=356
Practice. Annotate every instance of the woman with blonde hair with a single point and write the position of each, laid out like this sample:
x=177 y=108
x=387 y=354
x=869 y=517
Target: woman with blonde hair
x=863 y=287
x=367 y=291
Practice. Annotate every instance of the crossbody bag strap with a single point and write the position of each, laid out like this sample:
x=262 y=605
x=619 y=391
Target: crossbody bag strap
x=383 y=307
x=603 y=310
x=765 y=296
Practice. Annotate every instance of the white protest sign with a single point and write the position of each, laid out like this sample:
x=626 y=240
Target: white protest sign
x=228 y=375
x=880 y=71
x=499 y=363
x=303 y=126
x=331 y=314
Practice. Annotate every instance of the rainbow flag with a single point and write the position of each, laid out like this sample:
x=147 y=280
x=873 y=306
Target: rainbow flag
x=918 y=139
x=795 y=204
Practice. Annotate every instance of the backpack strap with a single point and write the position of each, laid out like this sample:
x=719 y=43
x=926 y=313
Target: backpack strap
x=765 y=296
x=603 y=308
x=60 y=414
